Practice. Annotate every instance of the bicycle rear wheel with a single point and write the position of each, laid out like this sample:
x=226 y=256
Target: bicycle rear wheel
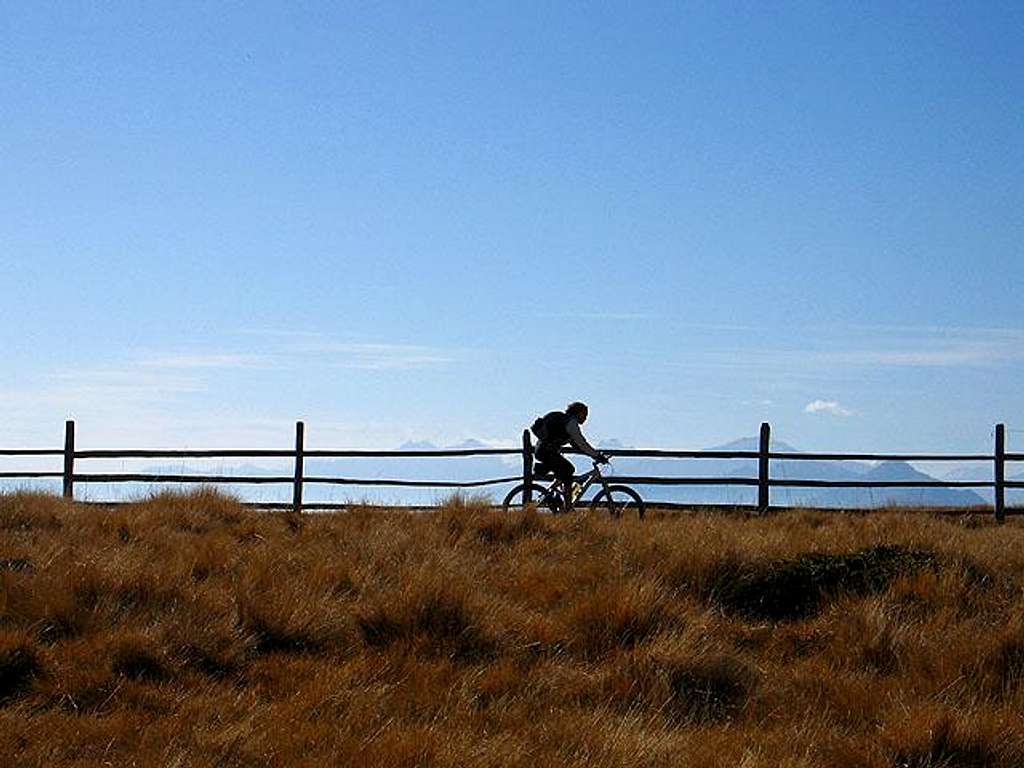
x=546 y=500
x=620 y=500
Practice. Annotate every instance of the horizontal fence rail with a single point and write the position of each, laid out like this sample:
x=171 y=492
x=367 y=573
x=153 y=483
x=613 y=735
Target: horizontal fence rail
x=880 y=483
x=648 y=480
x=298 y=479
x=245 y=454
x=790 y=456
x=271 y=480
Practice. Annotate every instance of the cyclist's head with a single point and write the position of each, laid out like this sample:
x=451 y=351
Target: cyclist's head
x=578 y=410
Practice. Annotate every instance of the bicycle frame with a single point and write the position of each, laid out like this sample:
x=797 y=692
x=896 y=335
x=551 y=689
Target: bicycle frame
x=585 y=480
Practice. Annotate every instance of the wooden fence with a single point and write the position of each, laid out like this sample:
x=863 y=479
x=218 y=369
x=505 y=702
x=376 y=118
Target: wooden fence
x=298 y=479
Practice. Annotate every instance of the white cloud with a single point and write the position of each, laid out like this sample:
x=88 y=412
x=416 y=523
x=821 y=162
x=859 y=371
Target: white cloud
x=827 y=406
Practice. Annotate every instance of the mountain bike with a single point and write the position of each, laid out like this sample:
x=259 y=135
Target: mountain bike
x=618 y=500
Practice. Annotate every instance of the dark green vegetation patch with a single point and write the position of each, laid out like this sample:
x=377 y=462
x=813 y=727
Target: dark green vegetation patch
x=785 y=590
x=19 y=666
x=711 y=690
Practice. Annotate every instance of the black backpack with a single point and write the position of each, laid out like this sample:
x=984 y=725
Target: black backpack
x=550 y=428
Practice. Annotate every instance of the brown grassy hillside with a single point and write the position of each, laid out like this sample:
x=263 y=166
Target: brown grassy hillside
x=186 y=631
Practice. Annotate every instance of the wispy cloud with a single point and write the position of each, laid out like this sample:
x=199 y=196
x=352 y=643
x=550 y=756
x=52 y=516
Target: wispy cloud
x=830 y=407
x=152 y=381
x=379 y=357
x=127 y=400
x=337 y=350
x=921 y=330
x=947 y=355
x=843 y=354
x=210 y=361
x=148 y=379
x=926 y=346
x=283 y=333
x=117 y=384
x=625 y=316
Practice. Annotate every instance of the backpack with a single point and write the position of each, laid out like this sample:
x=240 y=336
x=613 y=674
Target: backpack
x=550 y=428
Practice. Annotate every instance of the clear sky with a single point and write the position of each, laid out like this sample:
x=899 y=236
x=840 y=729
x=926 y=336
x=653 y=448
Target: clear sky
x=433 y=221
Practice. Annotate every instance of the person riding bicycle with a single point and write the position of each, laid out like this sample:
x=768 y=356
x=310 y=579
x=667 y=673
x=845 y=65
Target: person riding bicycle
x=554 y=431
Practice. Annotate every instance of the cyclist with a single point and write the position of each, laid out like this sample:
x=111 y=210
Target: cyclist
x=554 y=431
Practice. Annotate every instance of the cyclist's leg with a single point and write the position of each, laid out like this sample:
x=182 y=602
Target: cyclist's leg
x=545 y=457
x=564 y=471
x=542 y=457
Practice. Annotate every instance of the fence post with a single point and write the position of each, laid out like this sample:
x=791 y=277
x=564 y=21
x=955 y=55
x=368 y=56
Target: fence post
x=1000 y=471
x=762 y=468
x=69 y=459
x=527 y=467
x=300 y=434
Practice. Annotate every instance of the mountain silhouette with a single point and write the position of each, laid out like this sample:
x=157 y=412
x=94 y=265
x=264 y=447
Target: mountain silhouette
x=894 y=471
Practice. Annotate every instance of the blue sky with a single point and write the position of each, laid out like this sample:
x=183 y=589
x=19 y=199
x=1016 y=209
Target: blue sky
x=434 y=221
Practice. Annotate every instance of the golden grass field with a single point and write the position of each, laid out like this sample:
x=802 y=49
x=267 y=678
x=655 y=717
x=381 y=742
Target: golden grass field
x=185 y=630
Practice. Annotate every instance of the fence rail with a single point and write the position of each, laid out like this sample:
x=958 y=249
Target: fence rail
x=298 y=479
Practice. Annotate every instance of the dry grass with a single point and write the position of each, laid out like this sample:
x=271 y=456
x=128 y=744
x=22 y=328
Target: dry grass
x=187 y=631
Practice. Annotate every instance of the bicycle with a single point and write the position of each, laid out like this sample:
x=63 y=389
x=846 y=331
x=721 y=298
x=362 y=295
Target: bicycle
x=616 y=499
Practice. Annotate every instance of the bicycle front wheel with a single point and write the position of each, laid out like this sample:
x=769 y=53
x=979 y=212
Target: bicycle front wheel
x=619 y=500
x=546 y=500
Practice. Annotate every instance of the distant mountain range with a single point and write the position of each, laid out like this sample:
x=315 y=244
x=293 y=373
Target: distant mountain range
x=984 y=472
x=796 y=470
x=467 y=469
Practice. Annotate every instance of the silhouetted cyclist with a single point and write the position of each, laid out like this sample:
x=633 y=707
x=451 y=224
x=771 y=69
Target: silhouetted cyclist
x=554 y=431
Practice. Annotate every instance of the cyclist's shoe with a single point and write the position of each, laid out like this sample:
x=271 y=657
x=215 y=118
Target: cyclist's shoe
x=576 y=490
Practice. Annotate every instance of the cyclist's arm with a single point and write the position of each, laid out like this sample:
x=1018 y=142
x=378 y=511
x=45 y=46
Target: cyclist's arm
x=579 y=442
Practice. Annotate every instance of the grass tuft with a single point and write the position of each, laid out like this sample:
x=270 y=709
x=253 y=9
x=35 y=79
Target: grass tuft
x=136 y=658
x=697 y=688
x=197 y=511
x=946 y=741
x=31 y=510
x=507 y=529
x=286 y=621
x=615 y=617
x=999 y=668
x=434 y=622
